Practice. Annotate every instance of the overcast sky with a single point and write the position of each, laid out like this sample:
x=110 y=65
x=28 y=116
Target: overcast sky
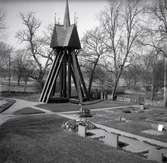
x=86 y=11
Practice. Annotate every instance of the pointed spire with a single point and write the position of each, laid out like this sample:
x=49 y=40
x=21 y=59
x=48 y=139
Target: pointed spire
x=55 y=18
x=67 y=16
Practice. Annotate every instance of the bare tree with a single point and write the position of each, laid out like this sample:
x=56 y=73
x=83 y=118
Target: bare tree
x=111 y=24
x=37 y=46
x=5 y=60
x=21 y=66
x=122 y=28
x=94 y=48
x=131 y=74
x=160 y=12
x=2 y=19
x=156 y=36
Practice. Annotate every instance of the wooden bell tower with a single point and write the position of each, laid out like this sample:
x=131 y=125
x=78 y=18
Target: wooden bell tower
x=66 y=45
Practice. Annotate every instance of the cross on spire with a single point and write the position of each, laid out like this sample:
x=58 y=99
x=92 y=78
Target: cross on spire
x=67 y=16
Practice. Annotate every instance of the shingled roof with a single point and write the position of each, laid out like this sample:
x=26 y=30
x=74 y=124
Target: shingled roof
x=65 y=35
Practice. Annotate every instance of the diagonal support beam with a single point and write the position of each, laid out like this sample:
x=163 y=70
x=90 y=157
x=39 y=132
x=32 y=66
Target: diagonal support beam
x=69 y=77
x=76 y=74
x=55 y=75
x=45 y=88
x=74 y=80
x=81 y=78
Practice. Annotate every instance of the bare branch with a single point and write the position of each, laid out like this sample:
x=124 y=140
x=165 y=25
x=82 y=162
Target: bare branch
x=2 y=19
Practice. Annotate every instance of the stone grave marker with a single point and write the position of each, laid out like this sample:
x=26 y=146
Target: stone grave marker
x=160 y=127
x=111 y=139
x=82 y=130
x=155 y=154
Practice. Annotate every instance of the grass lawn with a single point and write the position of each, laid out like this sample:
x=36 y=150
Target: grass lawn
x=31 y=97
x=62 y=107
x=21 y=95
x=136 y=121
x=40 y=139
x=28 y=110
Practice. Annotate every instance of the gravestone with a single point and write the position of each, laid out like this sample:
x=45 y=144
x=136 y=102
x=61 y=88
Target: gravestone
x=82 y=130
x=155 y=154
x=111 y=139
x=160 y=127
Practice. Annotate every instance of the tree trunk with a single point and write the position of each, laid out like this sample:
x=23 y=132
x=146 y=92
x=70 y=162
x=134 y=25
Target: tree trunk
x=165 y=82
x=90 y=83
x=114 y=97
x=115 y=88
x=41 y=84
x=40 y=79
x=153 y=86
x=18 y=80
x=25 y=85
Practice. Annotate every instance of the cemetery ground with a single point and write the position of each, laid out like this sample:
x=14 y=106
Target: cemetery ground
x=34 y=134
x=40 y=138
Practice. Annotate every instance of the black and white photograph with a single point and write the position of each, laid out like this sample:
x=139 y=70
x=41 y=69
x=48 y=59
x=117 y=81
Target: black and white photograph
x=83 y=81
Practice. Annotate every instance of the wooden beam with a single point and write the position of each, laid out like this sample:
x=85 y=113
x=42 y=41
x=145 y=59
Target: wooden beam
x=76 y=74
x=61 y=80
x=48 y=80
x=55 y=75
x=60 y=64
x=74 y=80
x=64 y=75
x=81 y=78
x=54 y=89
x=45 y=85
x=69 y=76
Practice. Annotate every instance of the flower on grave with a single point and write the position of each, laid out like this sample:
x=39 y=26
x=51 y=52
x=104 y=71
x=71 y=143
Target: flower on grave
x=72 y=125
